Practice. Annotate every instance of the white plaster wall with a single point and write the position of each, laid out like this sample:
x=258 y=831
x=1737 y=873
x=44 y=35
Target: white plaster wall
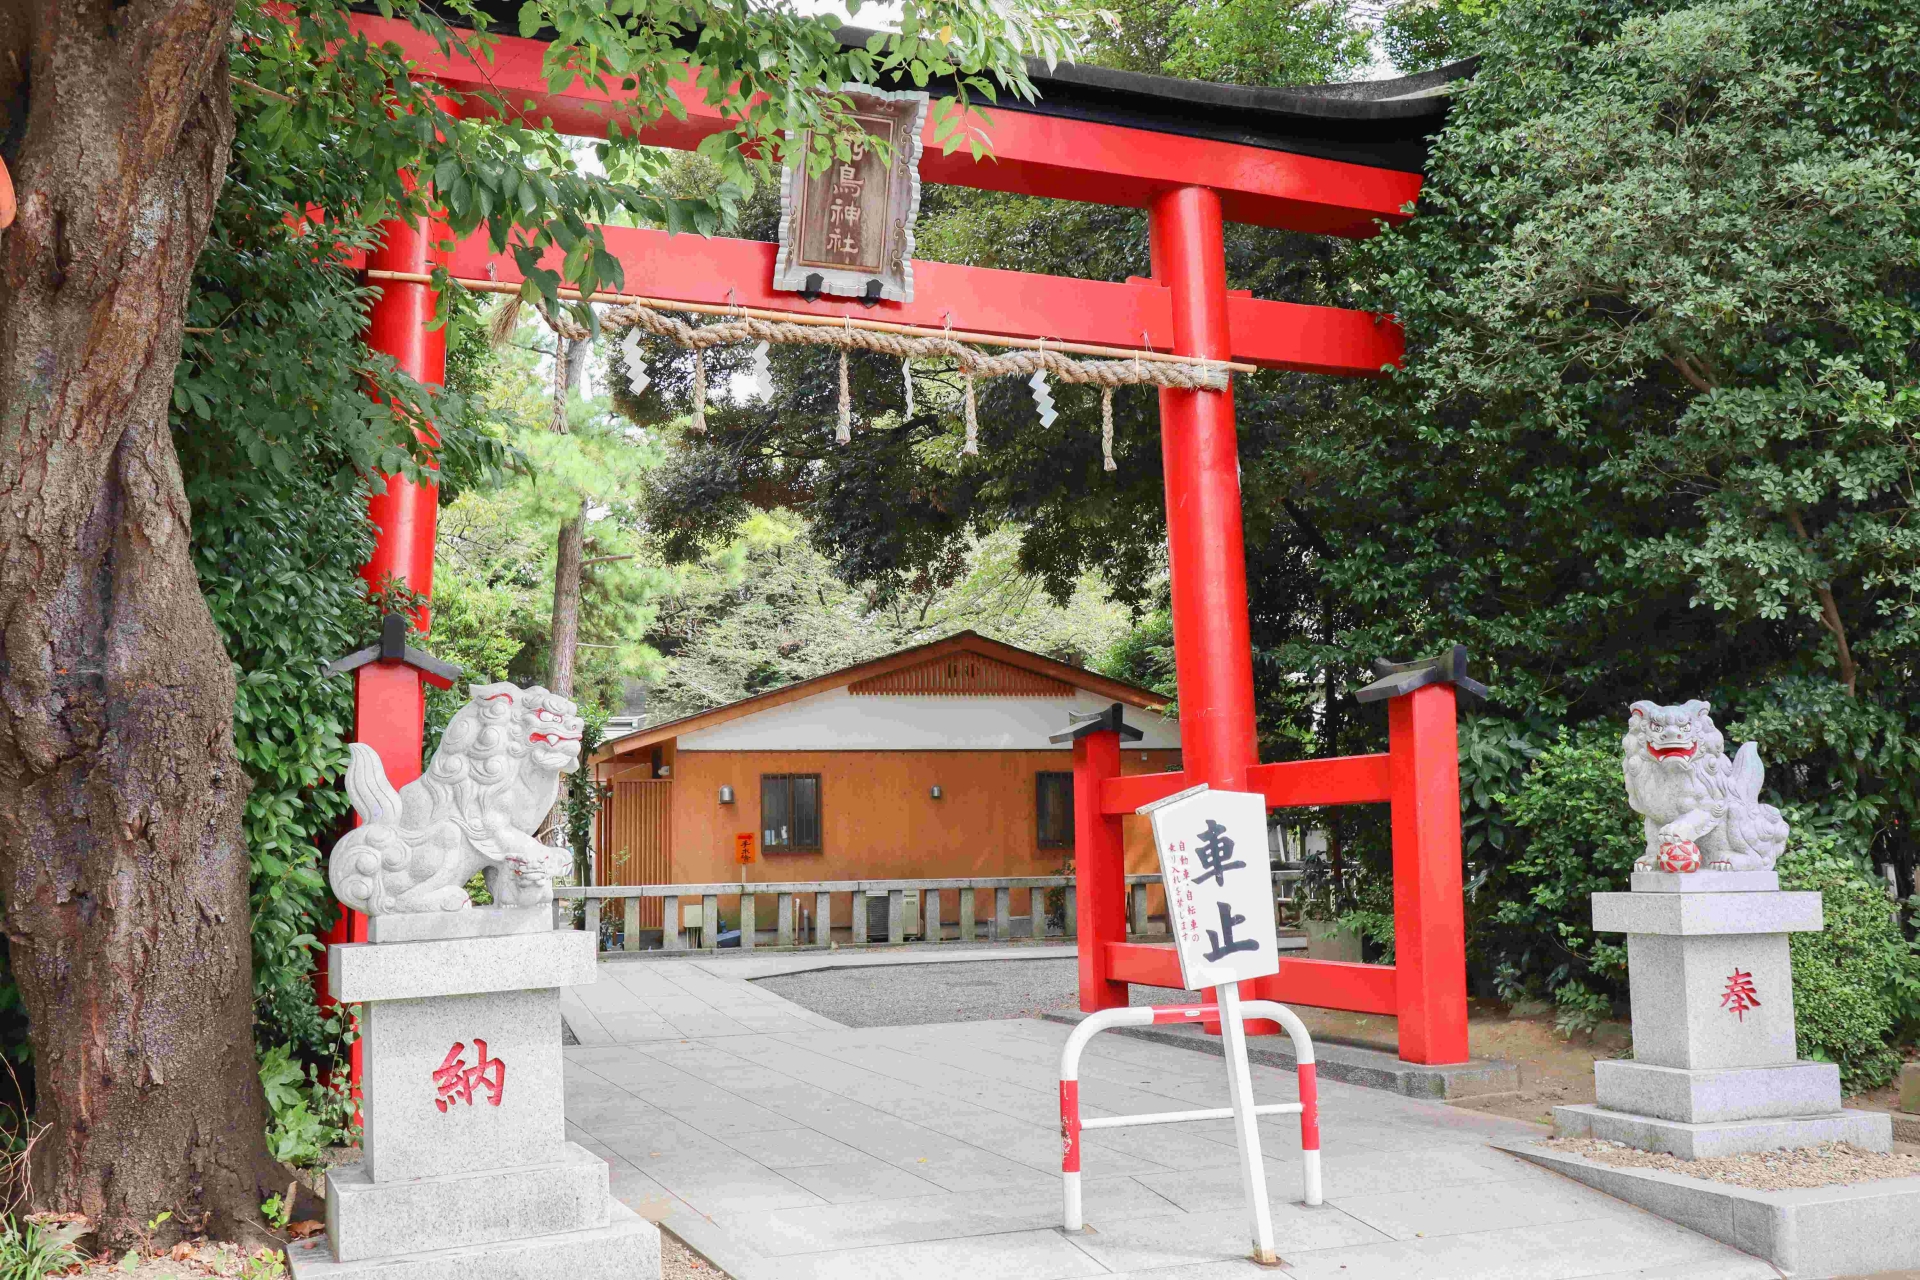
x=836 y=720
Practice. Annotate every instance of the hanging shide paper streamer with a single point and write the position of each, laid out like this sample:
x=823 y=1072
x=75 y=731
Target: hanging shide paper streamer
x=1106 y=428
x=699 y=424
x=906 y=376
x=1042 y=397
x=973 y=424
x=844 y=434
x=762 y=372
x=637 y=378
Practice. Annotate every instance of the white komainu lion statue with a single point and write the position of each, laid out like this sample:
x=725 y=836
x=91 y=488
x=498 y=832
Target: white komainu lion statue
x=493 y=780
x=1700 y=808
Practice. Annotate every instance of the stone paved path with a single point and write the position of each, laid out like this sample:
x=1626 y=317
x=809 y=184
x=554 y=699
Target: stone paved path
x=786 y=1147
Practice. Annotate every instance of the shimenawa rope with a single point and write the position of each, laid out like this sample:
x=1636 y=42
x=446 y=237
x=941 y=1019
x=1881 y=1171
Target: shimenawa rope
x=972 y=363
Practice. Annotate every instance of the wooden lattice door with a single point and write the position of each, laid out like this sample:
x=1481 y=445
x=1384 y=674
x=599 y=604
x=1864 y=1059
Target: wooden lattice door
x=637 y=840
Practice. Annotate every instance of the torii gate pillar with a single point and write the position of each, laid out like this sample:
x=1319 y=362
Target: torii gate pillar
x=1201 y=459
x=389 y=702
x=1206 y=553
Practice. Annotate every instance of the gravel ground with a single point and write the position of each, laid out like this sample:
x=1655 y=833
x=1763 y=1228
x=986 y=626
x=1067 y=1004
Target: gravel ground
x=1835 y=1164
x=909 y=995
x=677 y=1262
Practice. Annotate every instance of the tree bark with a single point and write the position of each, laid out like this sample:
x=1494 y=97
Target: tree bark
x=1829 y=612
x=569 y=549
x=566 y=601
x=122 y=858
x=571 y=545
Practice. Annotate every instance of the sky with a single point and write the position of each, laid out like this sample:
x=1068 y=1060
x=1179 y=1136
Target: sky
x=886 y=13
x=871 y=15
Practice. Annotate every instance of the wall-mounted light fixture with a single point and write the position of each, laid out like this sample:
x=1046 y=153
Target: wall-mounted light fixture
x=936 y=791
x=726 y=794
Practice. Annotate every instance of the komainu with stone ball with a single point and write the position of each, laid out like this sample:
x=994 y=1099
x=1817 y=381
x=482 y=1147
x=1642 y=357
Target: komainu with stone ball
x=475 y=809
x=1701 y=809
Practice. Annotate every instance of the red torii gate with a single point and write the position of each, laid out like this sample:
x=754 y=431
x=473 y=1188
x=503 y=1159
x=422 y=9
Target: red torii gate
x=1337 y=161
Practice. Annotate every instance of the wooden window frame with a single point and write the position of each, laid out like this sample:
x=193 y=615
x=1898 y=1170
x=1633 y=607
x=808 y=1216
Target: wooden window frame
x=768 y=846
x=1040 y=780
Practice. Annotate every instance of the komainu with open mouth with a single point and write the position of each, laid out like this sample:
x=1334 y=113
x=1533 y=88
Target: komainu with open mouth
x=475 y=809
x=1700 y=807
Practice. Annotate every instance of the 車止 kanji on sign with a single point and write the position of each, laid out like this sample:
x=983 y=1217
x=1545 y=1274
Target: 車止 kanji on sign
x=1215 y=869
x=1740 y=995
x=1223 y=942
x=454 y=1081
x=1214 y=848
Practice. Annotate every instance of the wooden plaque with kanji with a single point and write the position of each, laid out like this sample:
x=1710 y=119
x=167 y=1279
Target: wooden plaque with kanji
x=848 y=230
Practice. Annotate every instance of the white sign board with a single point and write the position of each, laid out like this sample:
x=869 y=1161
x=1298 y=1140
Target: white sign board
x=1213 y=862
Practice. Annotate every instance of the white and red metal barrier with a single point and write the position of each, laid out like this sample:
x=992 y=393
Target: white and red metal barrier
x=1307 y=1108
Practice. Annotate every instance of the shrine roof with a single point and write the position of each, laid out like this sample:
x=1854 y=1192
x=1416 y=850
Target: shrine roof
x=1381 y=123
x=875 y=673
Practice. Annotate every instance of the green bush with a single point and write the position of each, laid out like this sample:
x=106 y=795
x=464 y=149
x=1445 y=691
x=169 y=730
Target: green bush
x=1856 y=981
x=31 y=1250
x=308 y=1111
x=1578 y=837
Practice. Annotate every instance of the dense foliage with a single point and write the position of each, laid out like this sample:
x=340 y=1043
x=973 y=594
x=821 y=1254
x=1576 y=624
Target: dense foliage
x=1856 y=983
x=766 y=610
x=1654 y=434
x=1576 y=838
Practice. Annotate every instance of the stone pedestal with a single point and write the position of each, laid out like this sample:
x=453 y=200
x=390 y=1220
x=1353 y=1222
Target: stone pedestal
x=1714 y=1070
x=467 y=1171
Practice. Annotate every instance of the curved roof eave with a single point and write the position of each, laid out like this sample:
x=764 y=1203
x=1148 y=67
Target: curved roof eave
x=1382 y=123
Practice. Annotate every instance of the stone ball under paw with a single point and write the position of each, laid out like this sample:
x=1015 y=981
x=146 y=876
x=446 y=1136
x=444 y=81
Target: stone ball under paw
x=1680 y=855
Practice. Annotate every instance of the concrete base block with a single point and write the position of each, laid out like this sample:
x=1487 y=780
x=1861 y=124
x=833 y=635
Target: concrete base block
x=1681 y=989
x=1349 y=1064
x=479 y=922
x=412 y=1130
x=1870 y=1129
x=1823 y=1231
x=626 y=1248
x=1692 y=914
x=368 y=1219
x=1706 y=1097
x=1704 y=882
x=362 y=971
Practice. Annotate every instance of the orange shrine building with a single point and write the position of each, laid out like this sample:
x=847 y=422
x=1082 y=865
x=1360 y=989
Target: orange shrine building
x=933 y=762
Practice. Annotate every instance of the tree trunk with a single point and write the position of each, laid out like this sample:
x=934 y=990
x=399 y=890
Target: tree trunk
x=570 y=357
x=566 y=602
x=122 y=858
x=566 y=643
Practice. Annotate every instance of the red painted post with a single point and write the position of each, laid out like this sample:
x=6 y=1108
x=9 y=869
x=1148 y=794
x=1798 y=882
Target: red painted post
x=1100 y=870
x=1200 y=459
x=389 y=703
x=1211 y=646
x=1429 y=921
x=397 y=326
